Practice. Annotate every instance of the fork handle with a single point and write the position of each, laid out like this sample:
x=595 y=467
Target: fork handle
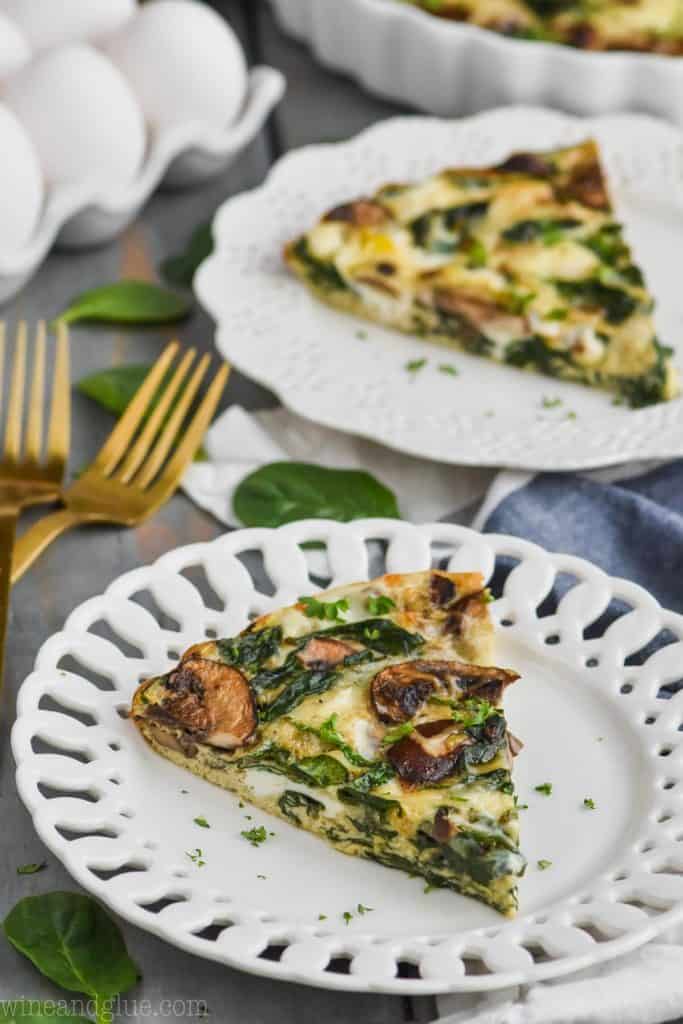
x=8 y=526
x=32 y=544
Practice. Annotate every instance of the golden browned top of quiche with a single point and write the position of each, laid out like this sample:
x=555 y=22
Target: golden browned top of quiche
x=523 y=263
x=369 y=715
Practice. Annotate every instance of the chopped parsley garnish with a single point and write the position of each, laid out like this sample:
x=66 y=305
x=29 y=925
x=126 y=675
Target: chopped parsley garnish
x=196 y=856
x=364 y=910
x=571 y=415
x=589 y=803
x=415 y=365
x=330 y=611
x=557 y=314
x=392 y=736
x=347 y=916
x=31 y=869
x=551 y=403
x=473 y=712
x=256 y=836
x=202 y=822
x=449 y=369
x=477 y=255
x=362 y=335
x=263 y=877
x=545 y=788
x=543 y=865
x=322 y=917
x=379 y=604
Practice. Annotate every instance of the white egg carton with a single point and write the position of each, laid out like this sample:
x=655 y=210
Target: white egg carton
x=81 y=214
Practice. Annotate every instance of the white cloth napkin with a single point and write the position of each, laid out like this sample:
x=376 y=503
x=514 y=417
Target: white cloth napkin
x=644 y=987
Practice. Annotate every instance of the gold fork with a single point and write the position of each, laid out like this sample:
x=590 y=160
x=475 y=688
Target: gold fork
x=138 y=468
x=26 y=477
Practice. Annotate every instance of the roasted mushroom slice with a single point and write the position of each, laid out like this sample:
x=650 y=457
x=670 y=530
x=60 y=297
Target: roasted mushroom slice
x=431 y=753
x=362 y=213
x=399 y=691
x=212 y=701
x=322 y=652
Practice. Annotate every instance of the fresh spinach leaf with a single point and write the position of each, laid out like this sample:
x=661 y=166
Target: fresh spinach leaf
x=321 y=273
x=28 y=1011
x=127 y=302
x=283 y=492
x=616 y=304
x=180 y=270
x=302 y=685
x=322 y=770
x=328 y=734
x=73 y=941
x=545 y=229
x=114 y=388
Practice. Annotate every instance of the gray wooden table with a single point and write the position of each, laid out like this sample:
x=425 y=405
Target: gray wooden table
x=318 y=107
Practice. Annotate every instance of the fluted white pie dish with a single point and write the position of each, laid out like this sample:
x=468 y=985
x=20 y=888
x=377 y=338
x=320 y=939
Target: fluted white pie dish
x=447 y=67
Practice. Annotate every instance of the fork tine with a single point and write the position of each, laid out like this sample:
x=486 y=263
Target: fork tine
x=34 y=428
x=59 y=429
x=155 y=421
x=155 y=459
x=123 y=433
x=16 y=397
x=3 y=334
x=195 y=431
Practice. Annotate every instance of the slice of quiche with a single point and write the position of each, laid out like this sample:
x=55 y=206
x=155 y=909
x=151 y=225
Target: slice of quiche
x=368 y=715
x=648 y=25
x=523 y=263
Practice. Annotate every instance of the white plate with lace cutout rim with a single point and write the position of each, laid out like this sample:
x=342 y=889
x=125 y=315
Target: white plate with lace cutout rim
x=344 y=373
x=589 y=707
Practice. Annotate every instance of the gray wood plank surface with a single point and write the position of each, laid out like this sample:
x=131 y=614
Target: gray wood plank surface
x=81 y=564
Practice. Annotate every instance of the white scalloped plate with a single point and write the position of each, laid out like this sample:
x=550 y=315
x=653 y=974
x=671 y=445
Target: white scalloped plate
x=121 y=818
x=338 y=371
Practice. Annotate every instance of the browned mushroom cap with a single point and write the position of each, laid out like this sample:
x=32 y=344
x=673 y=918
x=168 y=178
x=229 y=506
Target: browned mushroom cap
x=587 y=184
x=466 y=614
x=212 y=701
x=527 y=163
x=424 y=759
x=324 y=652
x=476 y=310
x=363 y=213
x=399 y=691
x=515 y=745
x=443 y=828
x=442 y=589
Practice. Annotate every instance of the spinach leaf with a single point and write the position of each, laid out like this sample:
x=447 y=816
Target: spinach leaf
x=545 y=229
x=180 y=270
x=292 y=801
x=252 y=647
x=328 y=734
x=302 y=685
x=322 y=770
x=650 y=387
x=534 y=352
x=28 y=1011
x=75 y=943
x=381 y=805
x=283 y=492
x=381 y=635
x=616 y=304
x=321 y=273
x=444 y=230
x=114 y=388
x=467 y=855
x=127 y=302
x=499 y=779
x=377 y=775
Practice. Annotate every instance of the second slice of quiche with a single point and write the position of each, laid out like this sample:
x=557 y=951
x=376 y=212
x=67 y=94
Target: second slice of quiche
x=367 y=715
x=523 y=263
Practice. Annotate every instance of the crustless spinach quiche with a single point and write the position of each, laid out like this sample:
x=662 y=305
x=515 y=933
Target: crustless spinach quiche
x=368 y=715
x=523 y=263
x=649 y=25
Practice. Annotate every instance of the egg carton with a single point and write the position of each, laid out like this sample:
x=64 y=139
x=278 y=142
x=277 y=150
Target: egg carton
x=182 y=154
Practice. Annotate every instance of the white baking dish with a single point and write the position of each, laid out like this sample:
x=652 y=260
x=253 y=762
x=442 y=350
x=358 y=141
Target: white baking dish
x=446 y=67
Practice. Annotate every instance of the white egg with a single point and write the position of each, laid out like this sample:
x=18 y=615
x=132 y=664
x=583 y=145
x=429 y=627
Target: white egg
x=48 y=23
x=22 y=190
x=83 y=119
x=184 y=62
x=14 y=48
